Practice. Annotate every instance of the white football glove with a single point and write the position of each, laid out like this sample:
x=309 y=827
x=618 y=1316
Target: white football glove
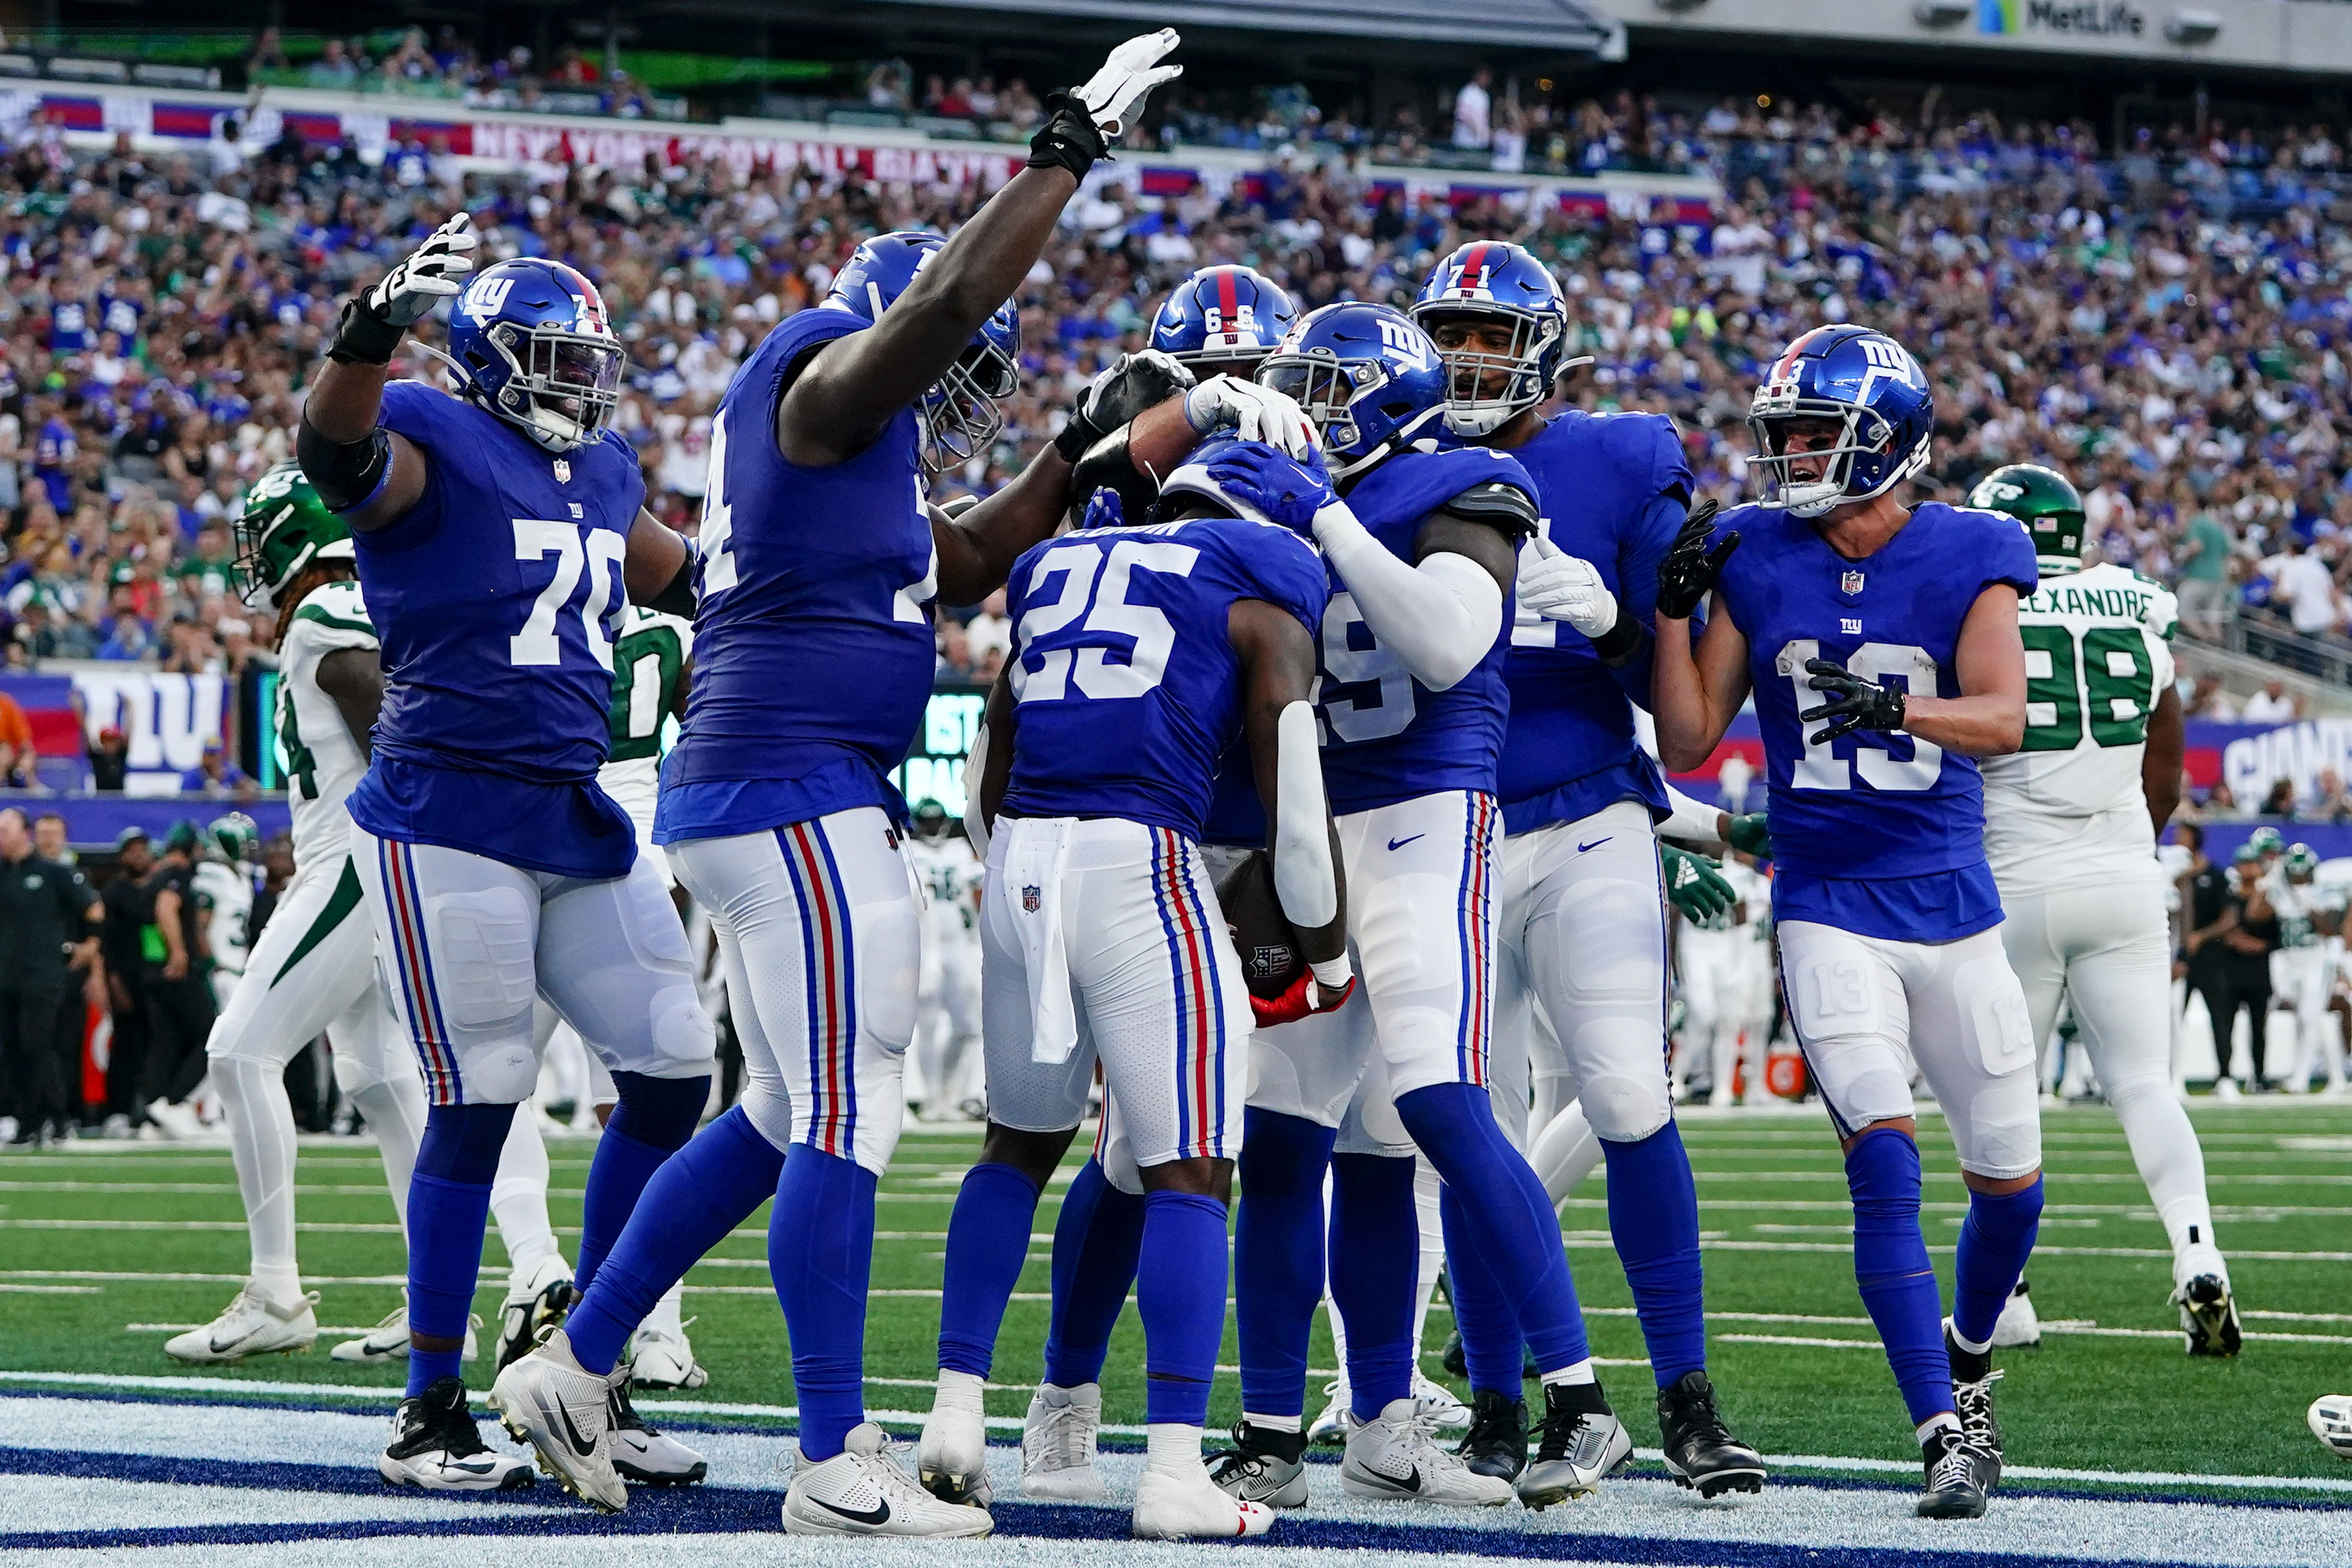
x=436 y=271
x=1113 y=94
x=1254 y=413
x=1563 y=587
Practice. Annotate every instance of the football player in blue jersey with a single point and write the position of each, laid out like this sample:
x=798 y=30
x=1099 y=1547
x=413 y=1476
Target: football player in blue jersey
x=1881 y=645
x=1422 y=546
x=1582 y=923
x=1139 y=656
x=500 y=537
x=818 y=561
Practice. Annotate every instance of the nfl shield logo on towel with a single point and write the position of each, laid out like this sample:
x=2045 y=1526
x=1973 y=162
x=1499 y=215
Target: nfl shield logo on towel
x=1030 y=899
x=1850 y=584
x=562 y=470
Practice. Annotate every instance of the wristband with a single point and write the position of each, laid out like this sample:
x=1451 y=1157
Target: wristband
x=1332 y=973
x=1068 y=140
x=1618 y=642
x=362 y=337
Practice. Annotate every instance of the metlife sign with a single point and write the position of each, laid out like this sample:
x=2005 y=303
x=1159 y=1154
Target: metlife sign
x=2086 y=18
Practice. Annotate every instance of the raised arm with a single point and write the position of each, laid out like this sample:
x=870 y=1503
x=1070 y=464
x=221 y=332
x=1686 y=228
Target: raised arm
x=854 y=385
x=361 y=470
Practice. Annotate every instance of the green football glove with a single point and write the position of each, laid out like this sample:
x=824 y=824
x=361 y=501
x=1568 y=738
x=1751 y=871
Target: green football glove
x=1694 y=886
x=1752 y=834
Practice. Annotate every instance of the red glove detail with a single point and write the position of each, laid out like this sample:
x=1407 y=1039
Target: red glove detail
x=1304 y=999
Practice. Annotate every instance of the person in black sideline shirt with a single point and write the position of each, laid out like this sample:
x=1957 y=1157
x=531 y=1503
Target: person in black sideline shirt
x=128 y=907
x=48 y=915
x=179 y=1001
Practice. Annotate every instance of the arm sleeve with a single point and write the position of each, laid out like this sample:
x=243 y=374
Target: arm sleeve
x=1691 y=819
x=1440 y=617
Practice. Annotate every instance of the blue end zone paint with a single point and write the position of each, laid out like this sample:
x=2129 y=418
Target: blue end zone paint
x=718 y=1510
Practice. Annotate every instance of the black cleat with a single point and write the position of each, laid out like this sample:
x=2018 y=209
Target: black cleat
x=1497 y=1443
x=1973 y=1377
x=523 y=1323
x=1263 y=1467
x=1956 y=1467
x=435 y=1446
x=1583 y=1444
x=2208 y=1316
x=1700 y=1451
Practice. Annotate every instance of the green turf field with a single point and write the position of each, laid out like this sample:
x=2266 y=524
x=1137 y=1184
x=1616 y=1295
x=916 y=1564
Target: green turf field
x=96 y=1244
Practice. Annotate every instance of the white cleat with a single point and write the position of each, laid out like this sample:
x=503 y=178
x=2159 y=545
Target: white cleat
x=1186 y=1505
x=179 y=1123
x=865 y=1491
x=1395 y=1457
x=1057 y=1444
x=1438 y=1405
x=952 y=1457
x=564 y=1411
x=1331 y=1427
x=2330 y=1420
x=2019 y=1327
x=2225 y=1090
x=435 y=1446
x=250 y=1325
x=644 y=1456
x=388 y=1341
x=658 y=1360
x=534 y=1303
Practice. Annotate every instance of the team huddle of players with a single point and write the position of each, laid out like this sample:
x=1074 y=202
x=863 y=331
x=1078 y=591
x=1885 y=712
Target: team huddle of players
x=1323 y=631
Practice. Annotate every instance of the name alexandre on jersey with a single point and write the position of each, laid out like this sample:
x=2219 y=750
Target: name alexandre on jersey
x=2118 y=602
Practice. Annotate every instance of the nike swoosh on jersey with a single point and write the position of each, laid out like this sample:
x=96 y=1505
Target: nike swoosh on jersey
x=1594 y=845
x=878 y=1516
x=1401 y=843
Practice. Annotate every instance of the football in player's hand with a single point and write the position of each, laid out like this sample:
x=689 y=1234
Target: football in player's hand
x=1262 y=933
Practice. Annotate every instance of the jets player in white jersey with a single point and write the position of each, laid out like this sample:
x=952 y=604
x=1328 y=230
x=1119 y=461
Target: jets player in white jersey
x=947 y=1015
x=224 y=884
x=1723 y=967
x=2305 y=967
x=2071 y=822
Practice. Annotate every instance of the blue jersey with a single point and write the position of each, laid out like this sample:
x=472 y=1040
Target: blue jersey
x=1387 y=737
x=1613 y=490
x=497 y=598
x=1127 y=685
x=1878 y=833
x=812 y=644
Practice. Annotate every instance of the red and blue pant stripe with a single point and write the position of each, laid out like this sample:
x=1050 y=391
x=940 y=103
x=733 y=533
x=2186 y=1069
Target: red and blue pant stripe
x=829 y=986
x=412 y=964
x=1199 y=1000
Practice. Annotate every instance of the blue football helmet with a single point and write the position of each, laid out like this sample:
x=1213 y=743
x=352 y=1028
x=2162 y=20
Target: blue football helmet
x=1870 y=388
x=1371 y=380
x=1485 y=280
x=960 y=413
x=1190 y=479
x=531 y=343
x=1222 y=318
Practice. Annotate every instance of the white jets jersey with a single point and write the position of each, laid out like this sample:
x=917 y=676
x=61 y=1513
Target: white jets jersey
x=1755 y=893
x=227 y=891
x=950 y=875
x=2298 y=906
x=2069 y=806
x=316 y=752
x=650 y=661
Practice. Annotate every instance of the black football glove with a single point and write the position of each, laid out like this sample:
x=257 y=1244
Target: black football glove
x=1135 y=383
x=1687 y=575
x=1854 y=703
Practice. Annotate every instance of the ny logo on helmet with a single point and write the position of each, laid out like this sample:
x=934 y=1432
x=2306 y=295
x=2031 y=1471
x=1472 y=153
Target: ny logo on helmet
x=1884 y=356
x=486 y=297
x=1403 y=341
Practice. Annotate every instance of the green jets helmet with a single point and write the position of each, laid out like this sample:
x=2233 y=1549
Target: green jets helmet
x=285 y=527
x=2302 y=864
x=2266 y=841
x=236 y=838
x=2050 y=506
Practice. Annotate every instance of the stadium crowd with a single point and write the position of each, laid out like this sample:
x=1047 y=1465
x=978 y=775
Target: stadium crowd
x=158 y=315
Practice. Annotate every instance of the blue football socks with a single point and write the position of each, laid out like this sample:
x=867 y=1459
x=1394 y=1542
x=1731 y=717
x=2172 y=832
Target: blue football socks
x=1653 y=1220
x=1097 y=1244
x=1375 y=1263
x=1491 y=1347
x=1891 y=1268
x=1180 y=1295
x=1509 y=1220
x=1995 y=1240
x=1278 y=1256
x=821 y=1257
x=988 y=1242
x=654 y=1118
x=700 y=1195
x=448 y=1206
